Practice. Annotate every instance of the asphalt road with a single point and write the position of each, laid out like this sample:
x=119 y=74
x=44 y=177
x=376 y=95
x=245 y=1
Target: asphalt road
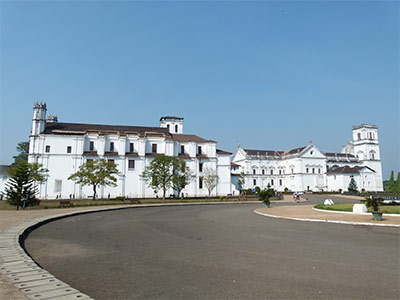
x=217 y=252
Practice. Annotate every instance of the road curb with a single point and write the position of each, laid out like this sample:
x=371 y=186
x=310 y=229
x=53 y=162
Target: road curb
x=325 y=221
x=37 y=283
x=351 y=213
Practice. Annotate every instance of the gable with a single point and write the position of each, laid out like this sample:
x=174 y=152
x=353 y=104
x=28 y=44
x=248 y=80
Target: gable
x=311 y=151
x=240 y=155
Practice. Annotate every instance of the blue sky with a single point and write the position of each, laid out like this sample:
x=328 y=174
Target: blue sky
x=262 y=74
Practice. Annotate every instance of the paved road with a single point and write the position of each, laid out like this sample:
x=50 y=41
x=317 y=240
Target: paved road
x=217 y=252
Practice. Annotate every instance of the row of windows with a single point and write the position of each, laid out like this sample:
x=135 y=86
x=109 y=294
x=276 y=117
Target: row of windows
x=370 y=135
x=272 y=182
x=272 y=172
x=313 y=170
x=131 y=148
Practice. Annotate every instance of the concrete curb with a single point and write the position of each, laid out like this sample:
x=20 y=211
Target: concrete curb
x=37 y=283
x=351 y=213
x=325 y=221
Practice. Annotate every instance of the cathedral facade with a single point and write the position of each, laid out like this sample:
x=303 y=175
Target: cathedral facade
x=63 y=147
x=310 y=169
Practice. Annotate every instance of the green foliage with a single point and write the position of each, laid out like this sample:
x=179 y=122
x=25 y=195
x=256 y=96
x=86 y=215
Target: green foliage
x=257 y=189
x=23 y=149
x=22 y=184
x=95 y=173
x=182 y=176
x=398 y=183
x=241 y=180
x=352 y=185
x=392 y=184
x=165 y=172
x=265 y=195
x=374 y=203
x=286 y=190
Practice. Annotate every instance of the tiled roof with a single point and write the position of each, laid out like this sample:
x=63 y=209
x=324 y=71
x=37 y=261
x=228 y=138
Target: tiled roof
x=273 y=152
x=90 y=153
x=131 y=154
x=143 y=131
x=347 y=170
x=331 y=154
x=183 y=156
x=233 y=165
x=111 y=154
x=77 y=128
x=183 y=138
x=222 y=152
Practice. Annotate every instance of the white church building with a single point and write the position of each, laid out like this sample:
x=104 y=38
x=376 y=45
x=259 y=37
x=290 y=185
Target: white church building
x=63 y=147
x=309 y=169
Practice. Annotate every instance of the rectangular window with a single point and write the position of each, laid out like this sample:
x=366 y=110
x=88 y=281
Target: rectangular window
x=200 y=167
x=319 y=171
x=199 y=150
x=182 y=149
x=292 y=171
x=280 y=181
x=91 y=146
x=69 y=149
x=47 y=149
x=131 y=164
x=154 y=148
x=307 y=170
x=280 y=172
x=131 y=148
x=272 y=172
x=272 y=182
x=313 y=170
x=111 y=146
x=254 y=182
x=200 y=182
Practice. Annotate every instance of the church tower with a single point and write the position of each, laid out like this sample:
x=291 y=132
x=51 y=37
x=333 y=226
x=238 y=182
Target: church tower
x=174 y=124
x=39 y=118
x=366 y=148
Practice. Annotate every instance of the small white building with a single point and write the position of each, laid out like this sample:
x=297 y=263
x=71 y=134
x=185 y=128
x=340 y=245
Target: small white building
x=309 y=169
x=63 y=147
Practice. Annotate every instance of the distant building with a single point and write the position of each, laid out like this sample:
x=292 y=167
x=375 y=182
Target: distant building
x=63 y=147
x=308 y=168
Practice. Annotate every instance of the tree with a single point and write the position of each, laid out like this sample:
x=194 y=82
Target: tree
x=21 y=188
x=210 y=179
x=392 y=184
x=265 y=195
x=95 y=173
x=398 y=183
x=352 y=185
x=159 y=173
x=182 y=175
x=241 y=180
x=23 y=149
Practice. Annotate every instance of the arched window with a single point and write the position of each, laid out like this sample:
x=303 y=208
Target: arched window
x=263 y=171
x=176 y=128
x=168 y=126
x=254 y=171
x=272 y=172
x=359 y=136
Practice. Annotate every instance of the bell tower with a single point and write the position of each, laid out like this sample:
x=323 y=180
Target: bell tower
x=39 y=118
x=174 y=124
x=366 y=148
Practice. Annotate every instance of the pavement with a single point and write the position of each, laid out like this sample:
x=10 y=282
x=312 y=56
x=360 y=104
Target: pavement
x=285 y=209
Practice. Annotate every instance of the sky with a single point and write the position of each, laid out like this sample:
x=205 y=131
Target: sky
x=263 y=74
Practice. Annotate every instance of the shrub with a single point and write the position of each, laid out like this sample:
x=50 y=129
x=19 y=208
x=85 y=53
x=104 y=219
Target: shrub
x=121 y=198
x=374 y=203
x=265 y=195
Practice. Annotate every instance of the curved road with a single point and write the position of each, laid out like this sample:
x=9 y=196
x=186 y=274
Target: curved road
x=216 y=252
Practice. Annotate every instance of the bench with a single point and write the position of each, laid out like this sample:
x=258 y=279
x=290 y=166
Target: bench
x=66 y=202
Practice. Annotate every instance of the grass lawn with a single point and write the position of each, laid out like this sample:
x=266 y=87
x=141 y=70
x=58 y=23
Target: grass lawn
x=49 y=204
x=386 y=209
